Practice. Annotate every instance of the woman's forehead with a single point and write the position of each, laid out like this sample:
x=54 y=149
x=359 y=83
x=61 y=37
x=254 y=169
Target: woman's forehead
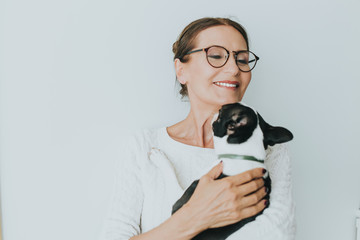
x=226 y=36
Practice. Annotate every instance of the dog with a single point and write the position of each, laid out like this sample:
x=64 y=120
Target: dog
x=241 y=137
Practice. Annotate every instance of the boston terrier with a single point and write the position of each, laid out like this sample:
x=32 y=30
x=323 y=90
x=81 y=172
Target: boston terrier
x=241 y=137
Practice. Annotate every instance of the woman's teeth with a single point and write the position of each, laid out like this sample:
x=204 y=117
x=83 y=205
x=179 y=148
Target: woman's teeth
x=226 y=84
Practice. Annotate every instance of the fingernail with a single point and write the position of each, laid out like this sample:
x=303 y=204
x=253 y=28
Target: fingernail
x=266 y=202
x=221 y=161
x=264 y=170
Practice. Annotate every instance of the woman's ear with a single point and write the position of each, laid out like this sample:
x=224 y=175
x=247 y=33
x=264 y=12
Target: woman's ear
x=179 y=70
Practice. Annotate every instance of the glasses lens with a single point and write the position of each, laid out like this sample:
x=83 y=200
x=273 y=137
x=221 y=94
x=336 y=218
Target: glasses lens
x=246 y=61
x=217 y=56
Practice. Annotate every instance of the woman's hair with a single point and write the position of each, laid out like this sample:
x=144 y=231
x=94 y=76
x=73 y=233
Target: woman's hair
x=186 y=39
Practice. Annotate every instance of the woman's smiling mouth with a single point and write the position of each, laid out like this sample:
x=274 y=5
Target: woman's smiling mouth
x=227 y=84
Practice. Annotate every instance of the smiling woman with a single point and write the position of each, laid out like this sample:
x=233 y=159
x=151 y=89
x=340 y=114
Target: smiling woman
x=213 y=64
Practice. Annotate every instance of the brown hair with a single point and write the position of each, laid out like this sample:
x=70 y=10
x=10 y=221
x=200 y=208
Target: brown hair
x=185 y=41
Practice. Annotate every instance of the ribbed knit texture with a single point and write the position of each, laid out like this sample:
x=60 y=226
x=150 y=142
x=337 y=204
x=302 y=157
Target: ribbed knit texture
x=155 y=170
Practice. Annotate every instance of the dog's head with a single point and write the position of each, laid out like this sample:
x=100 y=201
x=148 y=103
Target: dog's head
x=238 y=122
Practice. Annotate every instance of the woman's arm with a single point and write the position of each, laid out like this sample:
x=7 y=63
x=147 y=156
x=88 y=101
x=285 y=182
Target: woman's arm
x=281 y=213
x=277 y=221
x=213 y=204
x=180 y=226
x=123 y=217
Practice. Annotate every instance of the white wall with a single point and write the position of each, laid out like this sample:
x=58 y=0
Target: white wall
x=76 y=75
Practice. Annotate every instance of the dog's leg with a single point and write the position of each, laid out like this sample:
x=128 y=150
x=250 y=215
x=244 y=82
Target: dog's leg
x=185 y=197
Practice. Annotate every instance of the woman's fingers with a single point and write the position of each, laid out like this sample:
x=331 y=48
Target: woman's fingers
x=215 y=171
x=248 y=176
x=255 y=197
x=249 y=193
x=252 y=186
x=254 y=209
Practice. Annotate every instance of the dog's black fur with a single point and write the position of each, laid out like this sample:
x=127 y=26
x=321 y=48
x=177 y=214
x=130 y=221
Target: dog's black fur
x=238 y=122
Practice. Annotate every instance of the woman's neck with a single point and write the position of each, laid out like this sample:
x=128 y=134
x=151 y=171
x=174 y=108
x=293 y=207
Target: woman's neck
x=196 y=128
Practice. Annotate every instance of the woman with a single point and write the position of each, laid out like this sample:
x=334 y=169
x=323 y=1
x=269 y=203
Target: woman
x=159 y=164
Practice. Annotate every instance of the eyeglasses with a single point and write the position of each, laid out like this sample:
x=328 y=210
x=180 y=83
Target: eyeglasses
x=217 y=56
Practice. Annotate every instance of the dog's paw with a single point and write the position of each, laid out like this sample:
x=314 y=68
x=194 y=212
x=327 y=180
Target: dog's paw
x=158 y=158
x=156 y=153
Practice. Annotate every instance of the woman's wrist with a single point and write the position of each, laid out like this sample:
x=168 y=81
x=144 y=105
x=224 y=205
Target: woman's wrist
x=182 y=225
x=188 y=221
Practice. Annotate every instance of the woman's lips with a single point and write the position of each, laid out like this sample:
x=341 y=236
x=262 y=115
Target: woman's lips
x=227 y=84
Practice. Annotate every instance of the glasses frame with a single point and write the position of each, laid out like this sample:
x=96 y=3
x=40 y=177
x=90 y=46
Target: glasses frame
x=227 y=58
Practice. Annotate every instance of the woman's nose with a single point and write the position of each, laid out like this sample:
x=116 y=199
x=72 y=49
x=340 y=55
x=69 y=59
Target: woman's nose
x=231 y=66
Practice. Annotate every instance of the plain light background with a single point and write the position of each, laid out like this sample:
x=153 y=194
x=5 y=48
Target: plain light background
x=76 y=76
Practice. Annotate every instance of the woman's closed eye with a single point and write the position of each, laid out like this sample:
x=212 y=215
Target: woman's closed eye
x=242 y=61
x=216 y=56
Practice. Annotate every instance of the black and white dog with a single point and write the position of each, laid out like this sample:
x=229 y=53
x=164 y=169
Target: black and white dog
x=241 y=137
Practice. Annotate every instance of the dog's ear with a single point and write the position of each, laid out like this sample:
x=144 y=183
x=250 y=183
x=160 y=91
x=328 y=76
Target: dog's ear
x=274 y=135
x=219 y=127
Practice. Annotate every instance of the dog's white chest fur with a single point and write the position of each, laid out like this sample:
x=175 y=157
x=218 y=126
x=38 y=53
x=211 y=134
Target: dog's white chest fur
x=253 y=147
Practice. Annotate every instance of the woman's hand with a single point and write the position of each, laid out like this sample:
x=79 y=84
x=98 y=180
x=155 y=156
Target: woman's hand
x=217 y=203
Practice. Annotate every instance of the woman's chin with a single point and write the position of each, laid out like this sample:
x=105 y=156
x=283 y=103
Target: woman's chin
x=227 y=100
x=225 y=97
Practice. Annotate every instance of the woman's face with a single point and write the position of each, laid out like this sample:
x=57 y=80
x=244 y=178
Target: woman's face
x=205 y=84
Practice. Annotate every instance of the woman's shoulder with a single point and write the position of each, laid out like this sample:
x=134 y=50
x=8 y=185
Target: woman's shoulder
x=134 y=148
x=140 y=140
x=145 y=138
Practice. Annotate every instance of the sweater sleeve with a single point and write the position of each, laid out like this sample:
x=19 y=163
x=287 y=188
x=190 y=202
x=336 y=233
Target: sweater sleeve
x=123 y=219
x=277 y=222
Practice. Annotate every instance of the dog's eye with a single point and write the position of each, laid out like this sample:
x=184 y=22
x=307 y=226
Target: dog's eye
x=241 y=121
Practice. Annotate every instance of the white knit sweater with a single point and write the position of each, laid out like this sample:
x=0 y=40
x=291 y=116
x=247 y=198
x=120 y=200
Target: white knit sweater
x=154 y=172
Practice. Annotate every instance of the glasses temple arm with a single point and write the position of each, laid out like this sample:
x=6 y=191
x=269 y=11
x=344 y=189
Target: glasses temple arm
x=198 y=50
